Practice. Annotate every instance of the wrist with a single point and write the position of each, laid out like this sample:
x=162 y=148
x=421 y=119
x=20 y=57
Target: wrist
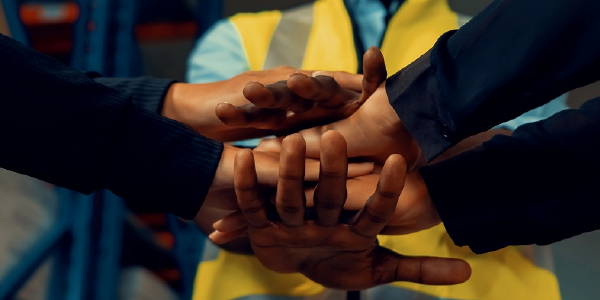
x=224 y=174
x=173 y=105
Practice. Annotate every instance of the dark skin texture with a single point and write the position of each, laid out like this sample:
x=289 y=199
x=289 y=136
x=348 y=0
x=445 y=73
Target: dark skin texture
x=375 y=123
x=336 y=255
x=414 y=211
x=242 y=108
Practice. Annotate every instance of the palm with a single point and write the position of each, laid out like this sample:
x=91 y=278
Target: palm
x=376 y=123
x=335 y=257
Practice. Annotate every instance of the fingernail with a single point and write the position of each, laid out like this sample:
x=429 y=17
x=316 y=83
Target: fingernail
x=298 y=74
x=317 y=73
x=212 y=236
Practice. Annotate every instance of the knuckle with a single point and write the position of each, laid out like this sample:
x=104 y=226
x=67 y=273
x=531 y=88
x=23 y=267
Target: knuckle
x=329 y=203
x=251 y=209
x=288 y=208
x=392 y=195
x=378 y=217
x=291 y=177
x=333 y=174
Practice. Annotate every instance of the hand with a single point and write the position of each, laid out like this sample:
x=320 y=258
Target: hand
x=224 y=113
x=373 y=132
x=335 y=255
x=415 y=210
x=268 y=164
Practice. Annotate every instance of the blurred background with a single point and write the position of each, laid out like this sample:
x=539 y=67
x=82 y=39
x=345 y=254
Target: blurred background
x=56 y=244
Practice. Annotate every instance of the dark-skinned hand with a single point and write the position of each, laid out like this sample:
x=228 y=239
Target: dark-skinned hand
x=336 y=255
x=261 y=103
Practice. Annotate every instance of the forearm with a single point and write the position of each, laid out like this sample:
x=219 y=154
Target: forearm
x=528 y=188
x=60 y=126
x=495 y=68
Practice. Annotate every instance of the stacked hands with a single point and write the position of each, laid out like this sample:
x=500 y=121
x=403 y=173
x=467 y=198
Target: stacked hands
x=296 y=200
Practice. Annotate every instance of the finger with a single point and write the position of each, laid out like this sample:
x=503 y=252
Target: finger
x=360 y=169
x=322 y=89
x=432 y=270
x=381 y=206
x=245 y=184
x=330 y=193
x=269 y=145
x=289 y=200
x=419 y=269
x=249 y=115
x=268 y=174
x=346 y=80
x=221 y=238
x=374 y=71
x=312 y=136
x=231 y=222
x=276 y=96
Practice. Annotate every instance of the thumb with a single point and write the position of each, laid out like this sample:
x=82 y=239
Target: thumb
x=421 y=269
x=374 y=71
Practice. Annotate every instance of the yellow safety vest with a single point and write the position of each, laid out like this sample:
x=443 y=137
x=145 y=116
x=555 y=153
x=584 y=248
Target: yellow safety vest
x=319 y=36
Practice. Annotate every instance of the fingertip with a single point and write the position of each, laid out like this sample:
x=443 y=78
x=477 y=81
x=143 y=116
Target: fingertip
x=299 y=82
x=244 y=153
x=293 y=145
x=218 y=225
x=333 y=135
x=317 y=73
x=373 y=53
x=217 y=238
x=254 y=90
x=230 y=115
x=244 y=158
x=298 y=75
x=223 y=108
x=393 y=175
x=374 y=66
x=395 y=164
x=360 y=169
x=445 y=271
x=293 y=140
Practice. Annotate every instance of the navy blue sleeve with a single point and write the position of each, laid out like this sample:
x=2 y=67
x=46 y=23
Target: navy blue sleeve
x=539 y=185
x=61 y=126
x=513 y=56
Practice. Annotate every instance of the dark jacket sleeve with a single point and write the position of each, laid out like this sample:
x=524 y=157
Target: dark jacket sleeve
x=533 y=187
x=60 y=126
x=514 y=56
x=538 y=186
x=146 y=92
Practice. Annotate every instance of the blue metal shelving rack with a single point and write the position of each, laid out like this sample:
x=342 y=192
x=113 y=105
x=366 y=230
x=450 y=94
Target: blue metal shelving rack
x=66 y=243
x=104 y=38
x=85 y=242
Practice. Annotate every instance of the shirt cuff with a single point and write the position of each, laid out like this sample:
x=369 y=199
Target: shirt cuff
x=415 y=95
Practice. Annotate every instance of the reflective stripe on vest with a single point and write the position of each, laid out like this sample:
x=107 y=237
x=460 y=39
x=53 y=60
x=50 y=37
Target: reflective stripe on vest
x=319 y=37
x=290 y=39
